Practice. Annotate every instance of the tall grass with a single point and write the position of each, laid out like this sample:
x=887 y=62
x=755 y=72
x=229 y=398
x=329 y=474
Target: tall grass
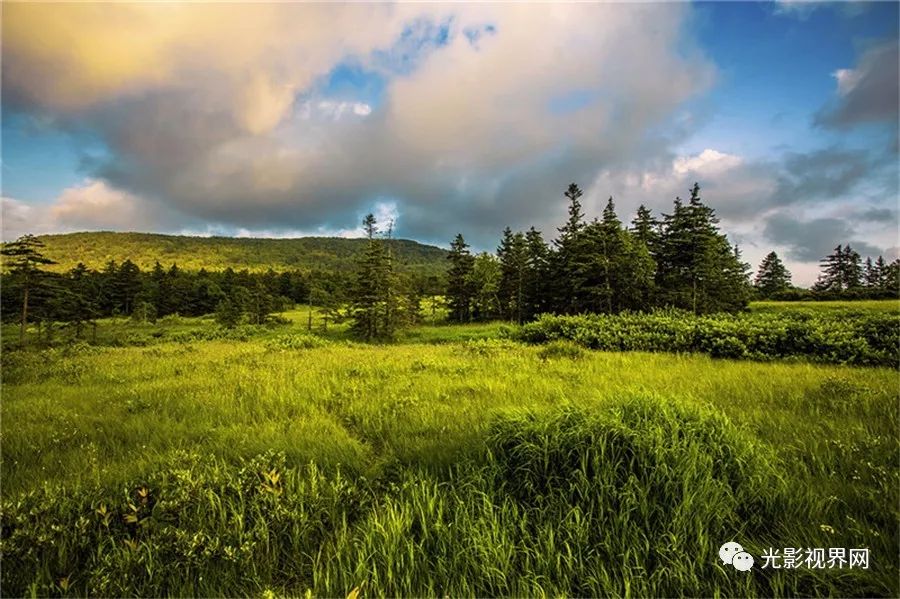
x=457 y=462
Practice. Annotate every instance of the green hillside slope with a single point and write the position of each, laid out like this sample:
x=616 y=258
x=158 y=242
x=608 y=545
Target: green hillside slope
x=219 y=253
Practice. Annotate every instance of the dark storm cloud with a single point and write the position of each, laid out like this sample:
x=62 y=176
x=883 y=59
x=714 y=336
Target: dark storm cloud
x=822 y=175
x=868 y=93
x=812 y=240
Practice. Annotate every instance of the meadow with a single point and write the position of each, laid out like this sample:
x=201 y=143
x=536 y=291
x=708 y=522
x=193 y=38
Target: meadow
x=175 y=458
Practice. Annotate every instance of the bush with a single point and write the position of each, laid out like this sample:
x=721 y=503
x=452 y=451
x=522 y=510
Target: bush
x=836 y=337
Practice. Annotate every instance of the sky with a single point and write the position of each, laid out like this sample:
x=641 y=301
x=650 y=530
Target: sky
x=282 y=120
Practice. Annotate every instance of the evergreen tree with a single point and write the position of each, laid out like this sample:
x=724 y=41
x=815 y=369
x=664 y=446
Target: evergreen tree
x=870 y=275
x=697 y=268
x=128 y=285
x=459 y=288
x=82 y=302
x=852 y=274
x=367 y=298
x=892 y=277
x=645 y=228
x=831 y=277
x=513 y=256
x=841 y=271
x=772 y=276
x=24 y=259
x=228 y=313
x=881 y=269
x=537 y=275
x=261 y=303
x=569 y=259
x=645 y=244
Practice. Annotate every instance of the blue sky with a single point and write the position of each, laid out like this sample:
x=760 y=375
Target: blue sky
x=282 y=120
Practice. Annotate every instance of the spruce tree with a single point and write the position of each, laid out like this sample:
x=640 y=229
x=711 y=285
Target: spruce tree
x=892 y=277
x=513 y=256
x=367 y=300
x=24 y=258
x=772 y=276
x=831 y=278
x=537 y=275
x=569 y=259
x=459 y=289
x=697 y=268
x=645 y=228
x=852 y=274
x=881 y=269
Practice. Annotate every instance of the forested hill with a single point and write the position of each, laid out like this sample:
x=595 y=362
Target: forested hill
x=218 y=253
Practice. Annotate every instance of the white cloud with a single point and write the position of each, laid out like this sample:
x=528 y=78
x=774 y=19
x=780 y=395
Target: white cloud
x=707 y=162
x=93 y=205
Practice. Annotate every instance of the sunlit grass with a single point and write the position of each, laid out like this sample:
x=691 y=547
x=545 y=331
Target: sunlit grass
x=441 y=466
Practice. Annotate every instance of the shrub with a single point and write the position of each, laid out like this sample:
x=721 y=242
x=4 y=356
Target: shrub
x=836 y=337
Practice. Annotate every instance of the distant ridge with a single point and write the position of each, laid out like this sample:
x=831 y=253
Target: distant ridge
x=191 y=253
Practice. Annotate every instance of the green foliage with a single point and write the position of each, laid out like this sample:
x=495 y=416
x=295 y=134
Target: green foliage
x=228 y=313
x=838 y=338
x=459 y=286
x=772 y=277
x=377 y=306
x=219 y=253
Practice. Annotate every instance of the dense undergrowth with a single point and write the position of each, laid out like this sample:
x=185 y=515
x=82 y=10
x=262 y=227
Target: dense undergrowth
x=844 y=337
x=634 y=499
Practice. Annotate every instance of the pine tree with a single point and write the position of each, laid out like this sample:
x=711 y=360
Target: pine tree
x=459 y=289
x=882 y=270
x=851 y=276
x=645 y=228
x=841 y=271
x=24 y=262
x=831 y=277
x=568 y=261
x=892 y=277
x=537 y=275
x=366 y=301
x=228 y=313
x=870 y=275
x=772 y=276
x=697 y=268
x=513 y=256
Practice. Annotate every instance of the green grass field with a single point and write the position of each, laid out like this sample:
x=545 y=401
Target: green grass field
x=455 y=462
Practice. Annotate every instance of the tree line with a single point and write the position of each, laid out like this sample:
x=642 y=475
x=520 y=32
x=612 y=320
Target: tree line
x=844 y=276
x=680 y=260
x=81 y=296
x=602 y=266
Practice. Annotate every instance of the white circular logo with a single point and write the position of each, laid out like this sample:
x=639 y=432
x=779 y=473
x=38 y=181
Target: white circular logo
x=728 y=550
x=742 y=561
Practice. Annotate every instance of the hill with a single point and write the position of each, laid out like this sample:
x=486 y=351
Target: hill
x=218 y=253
